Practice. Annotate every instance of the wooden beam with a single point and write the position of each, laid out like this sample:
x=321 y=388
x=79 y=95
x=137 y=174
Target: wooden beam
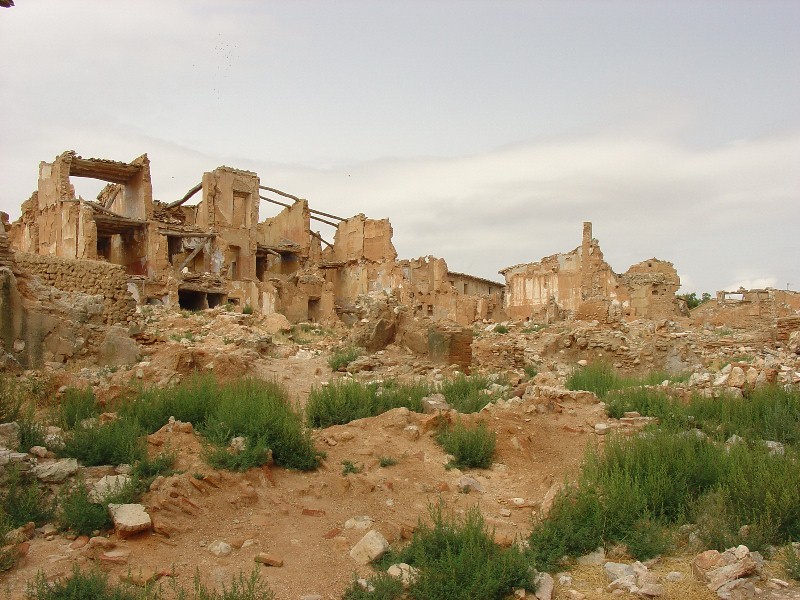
x=280 y=193
x=309 y=210
x=102 y=209
x=320 y=238
x=185 y=233
x=189 y=258
x=188 y=195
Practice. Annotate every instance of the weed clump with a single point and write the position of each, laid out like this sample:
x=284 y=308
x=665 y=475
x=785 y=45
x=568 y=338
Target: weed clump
x=467 y=394
x=76 y=406
x=343 y=357
x=346 y=400
x=114 y=443
x=458 y=559
x=471 y=447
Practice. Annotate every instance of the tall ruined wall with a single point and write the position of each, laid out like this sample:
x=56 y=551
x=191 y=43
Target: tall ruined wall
x=359 y=238
x=88 y=277
x=652 y=285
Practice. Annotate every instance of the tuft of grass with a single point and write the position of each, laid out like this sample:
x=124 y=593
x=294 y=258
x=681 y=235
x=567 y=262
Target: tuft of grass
x=458 y=560
x=387 y=461
x=466 y=394
x=348 y=467
x=23 y=499
x=247 y=310
x=114 y=443
x=383 y=587
x=91 y=583
x=11 y=398
x=791 y=561
x=76 y=405
x=471 y=447
x=647 y=402
x=501 y=329
x=257 y=410
x=343 y=357
x=78 y=514
x=530 y=370
x=346 y=400
x=600 y=377
x=94 y=584
x=31 y=433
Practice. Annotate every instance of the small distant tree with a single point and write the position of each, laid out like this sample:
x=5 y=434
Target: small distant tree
x=692 y=301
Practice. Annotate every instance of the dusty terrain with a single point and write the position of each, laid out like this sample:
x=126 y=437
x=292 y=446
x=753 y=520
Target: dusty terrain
x=301 y=518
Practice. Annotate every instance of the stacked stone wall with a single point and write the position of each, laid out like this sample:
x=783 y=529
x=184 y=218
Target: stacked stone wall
x=87 y=276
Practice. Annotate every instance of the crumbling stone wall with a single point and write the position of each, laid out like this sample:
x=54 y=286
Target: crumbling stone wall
x=581 y=284
x=86 y=276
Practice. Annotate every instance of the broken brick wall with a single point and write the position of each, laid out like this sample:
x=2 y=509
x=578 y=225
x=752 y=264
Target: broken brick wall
x=88 y=277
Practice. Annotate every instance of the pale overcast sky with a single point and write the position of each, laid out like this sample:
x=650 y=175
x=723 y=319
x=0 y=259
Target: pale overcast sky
x=485 y=131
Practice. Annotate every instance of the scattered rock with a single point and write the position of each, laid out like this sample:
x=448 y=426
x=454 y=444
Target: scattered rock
x=129 y=519
x=371 y=547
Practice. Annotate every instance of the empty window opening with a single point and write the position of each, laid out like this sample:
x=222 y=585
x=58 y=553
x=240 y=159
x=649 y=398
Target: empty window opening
x=289 y=263
x=174 y=249
x=314 y=310
x=215 y=299
x=262 y=266
x=192 y=300
x=104 y=247
x=234 y=268
x=733 y=297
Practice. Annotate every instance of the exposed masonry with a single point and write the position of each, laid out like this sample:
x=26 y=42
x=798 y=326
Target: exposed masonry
x=217 y=251
x=581 y=284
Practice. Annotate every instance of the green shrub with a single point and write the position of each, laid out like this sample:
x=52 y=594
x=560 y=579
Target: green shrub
x=466 y=394
x=76 y=405
x=768 y=413
x=791 y=561
x=148 y=469
x=255 y=454
x=11 y=398
x=471 y=447
x=260 y=412
x=349 y=467
x=458 y=559
x=345 y=400
x=257 y=410
x=647 y=402
x=114 y=443
x=387 y=461
x=343 y=357
x=530 y=370
x=31 y=433
x=91 y=583
x=94 y=584
x=78 y=514
x=501 y=329
x=247 y=310
x=23 y=499
x=598 y=377
x=385 y=587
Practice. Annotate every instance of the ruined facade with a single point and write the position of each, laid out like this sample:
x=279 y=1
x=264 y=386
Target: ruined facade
x=217 y=251
x=581 y=284
x=756 y=309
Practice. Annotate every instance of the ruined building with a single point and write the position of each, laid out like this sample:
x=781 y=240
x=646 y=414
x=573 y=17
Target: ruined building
x=217 y=251
x=580 y=284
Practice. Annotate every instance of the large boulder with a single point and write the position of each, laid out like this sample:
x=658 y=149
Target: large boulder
x=117 y=348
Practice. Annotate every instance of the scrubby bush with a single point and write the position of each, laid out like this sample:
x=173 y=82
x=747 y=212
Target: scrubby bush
x=466 y=394
x=598 y=377
x=257 y=410
x=345 y=400
x=458 y=559
x=383 y=587
x=11 y=398
x=641 y=486
x=78 y=514
x=76 y=405
x=500 y=328
x=23 y=499
x=343 y=357
x=94 y=584
x=471 y=447
x=113 y=443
